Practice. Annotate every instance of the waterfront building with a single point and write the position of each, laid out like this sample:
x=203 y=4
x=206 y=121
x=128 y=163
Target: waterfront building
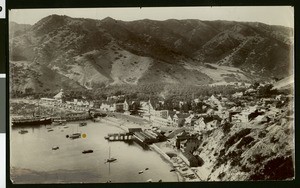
x=105 y=106
x=57 y=99
x=121 y=106
x=189 y=159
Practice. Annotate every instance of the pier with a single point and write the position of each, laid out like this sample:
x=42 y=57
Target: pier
x=119 y=137
x=144 y=137
x=138 y=135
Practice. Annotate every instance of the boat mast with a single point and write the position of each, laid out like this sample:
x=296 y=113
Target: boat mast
x=109 y=153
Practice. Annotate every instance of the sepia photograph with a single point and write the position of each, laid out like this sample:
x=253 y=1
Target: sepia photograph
x=151 y=94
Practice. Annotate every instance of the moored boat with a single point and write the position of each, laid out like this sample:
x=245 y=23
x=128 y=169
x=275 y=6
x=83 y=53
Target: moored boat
x=59 y=121
x=23 y=131
x=87 y=151
x=82 y=124
x=31 y=121
x=140 y=172
x=110 y=159
x=75 y=135
x=55 y=148
x=34 y=120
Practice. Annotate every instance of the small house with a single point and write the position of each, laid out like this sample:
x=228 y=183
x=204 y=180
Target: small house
x=179 y=119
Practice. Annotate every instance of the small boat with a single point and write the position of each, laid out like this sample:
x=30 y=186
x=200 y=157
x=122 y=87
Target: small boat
x=87 y=151
x=160 y=180
x=149 y=180
x=75 y=135
x=66 y=127
x=110 y=159
x=59 y=121
x=82 y=124
x=146 y=168
x=23 y=131
x=184 y=169
x=106 y=137
x=50 y=130
x=55 y=148
x=140 y=172
x=172 y=170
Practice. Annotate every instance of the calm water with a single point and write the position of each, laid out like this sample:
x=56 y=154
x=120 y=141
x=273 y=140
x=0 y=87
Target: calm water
x=33 y=151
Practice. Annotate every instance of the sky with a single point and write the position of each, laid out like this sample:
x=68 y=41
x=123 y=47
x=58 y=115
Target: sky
x=272 y=15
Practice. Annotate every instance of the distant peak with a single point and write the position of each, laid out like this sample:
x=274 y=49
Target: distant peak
x=55 y=17
x=109 y=20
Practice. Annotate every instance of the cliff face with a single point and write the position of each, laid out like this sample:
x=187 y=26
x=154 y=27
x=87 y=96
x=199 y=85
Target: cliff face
x=250 y=151
x=91 y=52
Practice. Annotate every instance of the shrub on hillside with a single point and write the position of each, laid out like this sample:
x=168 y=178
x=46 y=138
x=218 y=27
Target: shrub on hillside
x=236 y=137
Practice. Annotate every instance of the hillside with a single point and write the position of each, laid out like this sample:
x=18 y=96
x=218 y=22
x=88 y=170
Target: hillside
x=286 y=83
x=250 y=151
x=88 y=52
x=16 y=29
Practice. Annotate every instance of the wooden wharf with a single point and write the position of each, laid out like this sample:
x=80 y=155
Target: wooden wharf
x=119 y=137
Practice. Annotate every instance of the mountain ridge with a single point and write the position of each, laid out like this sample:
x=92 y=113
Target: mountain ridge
x=108 y=51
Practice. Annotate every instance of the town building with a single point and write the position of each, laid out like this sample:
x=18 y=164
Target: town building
x=57 y=99
x=179 y=119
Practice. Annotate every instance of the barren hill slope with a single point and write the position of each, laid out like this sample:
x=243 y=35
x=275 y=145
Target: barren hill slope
x=91 y=52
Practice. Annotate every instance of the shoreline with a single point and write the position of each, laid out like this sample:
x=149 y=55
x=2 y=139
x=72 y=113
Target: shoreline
x=153 y=147
x=123 y=123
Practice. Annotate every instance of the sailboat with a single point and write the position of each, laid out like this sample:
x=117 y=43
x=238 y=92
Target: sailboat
x=110 y=159
x=75 y=135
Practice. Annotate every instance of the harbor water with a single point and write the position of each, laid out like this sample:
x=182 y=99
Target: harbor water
x=33 y=160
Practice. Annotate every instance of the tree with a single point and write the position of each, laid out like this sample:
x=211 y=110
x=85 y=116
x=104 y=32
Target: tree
x=266 y=90
x=255 y=85
x=28 y=90
x=117 y=93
